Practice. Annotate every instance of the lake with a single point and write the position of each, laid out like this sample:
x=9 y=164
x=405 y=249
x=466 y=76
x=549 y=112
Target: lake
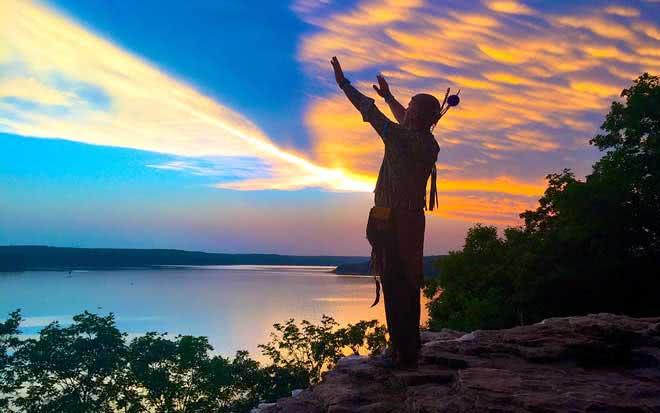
x=235 y=306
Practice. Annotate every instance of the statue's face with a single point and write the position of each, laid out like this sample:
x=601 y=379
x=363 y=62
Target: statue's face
x=411 y=117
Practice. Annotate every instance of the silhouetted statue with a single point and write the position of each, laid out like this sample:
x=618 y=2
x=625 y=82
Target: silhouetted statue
x=396 y=223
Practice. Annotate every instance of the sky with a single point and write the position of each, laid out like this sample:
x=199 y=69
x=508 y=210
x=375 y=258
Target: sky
x=217 y=125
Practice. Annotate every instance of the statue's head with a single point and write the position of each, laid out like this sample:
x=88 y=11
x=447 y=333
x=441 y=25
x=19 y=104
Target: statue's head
x=422 y=113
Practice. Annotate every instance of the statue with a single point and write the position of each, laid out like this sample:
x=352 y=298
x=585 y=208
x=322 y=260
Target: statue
x=395 y=228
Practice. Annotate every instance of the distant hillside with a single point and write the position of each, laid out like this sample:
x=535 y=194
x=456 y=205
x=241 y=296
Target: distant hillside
x=362 y=268
x=22 y=258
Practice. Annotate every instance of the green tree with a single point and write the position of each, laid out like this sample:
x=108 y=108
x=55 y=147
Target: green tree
x=590 y=246
x=603 y=234
x=90 y=367
x=279 y=381
x=79 y=368
x=363 y=334
x=629 y=174
x=308 y=349
x=475 y=285
x=9 y=342
x=179 y=375
x=169 y=370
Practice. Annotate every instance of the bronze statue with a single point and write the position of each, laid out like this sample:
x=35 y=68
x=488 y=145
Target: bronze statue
x=396 y=222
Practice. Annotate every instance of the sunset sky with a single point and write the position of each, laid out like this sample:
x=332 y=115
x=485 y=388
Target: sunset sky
x=217 y=126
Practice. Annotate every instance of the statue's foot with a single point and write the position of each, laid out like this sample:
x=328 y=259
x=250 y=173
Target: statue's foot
x=386 y=359
x=410 y=365
x=408 y=361
x=383 y=362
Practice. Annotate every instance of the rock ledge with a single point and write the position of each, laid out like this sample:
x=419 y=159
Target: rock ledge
x=599 y=362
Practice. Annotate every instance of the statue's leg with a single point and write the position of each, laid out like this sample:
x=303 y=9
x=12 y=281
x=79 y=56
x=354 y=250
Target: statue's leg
x=410 y=248
x=409 y=308
x=391 y=299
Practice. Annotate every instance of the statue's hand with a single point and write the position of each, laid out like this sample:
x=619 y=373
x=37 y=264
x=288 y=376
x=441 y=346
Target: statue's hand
x=384 y=89
x=339 y=74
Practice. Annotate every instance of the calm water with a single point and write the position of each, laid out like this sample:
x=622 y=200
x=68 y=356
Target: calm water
x=235 y=306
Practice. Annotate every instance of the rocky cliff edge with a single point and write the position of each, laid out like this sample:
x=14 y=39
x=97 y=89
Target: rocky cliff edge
x=599 y=362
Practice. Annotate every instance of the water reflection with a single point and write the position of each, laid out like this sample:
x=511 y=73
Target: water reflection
x=234 y=306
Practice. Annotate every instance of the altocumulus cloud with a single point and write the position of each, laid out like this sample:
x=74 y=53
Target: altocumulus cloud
x=535 y=85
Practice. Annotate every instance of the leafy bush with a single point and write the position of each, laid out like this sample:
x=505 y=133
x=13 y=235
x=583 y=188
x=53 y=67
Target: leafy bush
x=180 y=375
x=75 y=368
x=90 y=366
x=590 y=246
x=475 y=290
x=310 y=349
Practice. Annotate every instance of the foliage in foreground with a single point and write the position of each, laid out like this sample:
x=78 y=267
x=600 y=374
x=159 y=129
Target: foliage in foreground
x=591 y=246
x=91 y=366
x=313 y=348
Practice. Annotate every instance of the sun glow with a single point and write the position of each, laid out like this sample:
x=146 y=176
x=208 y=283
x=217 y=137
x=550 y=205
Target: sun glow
x=130 y=103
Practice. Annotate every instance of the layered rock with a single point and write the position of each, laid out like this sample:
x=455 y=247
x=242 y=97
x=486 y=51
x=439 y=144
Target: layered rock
x=599 y=362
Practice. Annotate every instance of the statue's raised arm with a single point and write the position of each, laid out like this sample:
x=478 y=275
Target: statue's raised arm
x=366 y=106
x=383 y=90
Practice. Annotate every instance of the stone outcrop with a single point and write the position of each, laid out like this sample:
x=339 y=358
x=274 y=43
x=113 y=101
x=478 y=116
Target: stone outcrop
x=601 y=362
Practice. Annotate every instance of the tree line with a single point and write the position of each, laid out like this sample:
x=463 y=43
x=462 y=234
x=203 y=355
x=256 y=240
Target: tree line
x=91 y=366
x=590 y=246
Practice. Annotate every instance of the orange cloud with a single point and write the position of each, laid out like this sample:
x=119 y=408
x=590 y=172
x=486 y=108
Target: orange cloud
x=600 y=26
x=622 y=11
x=655 y=52
x=420 y=70
x=342 y=139
x=610 y=52
x=512 y=7
x=509 y=78
x=648 y=29
x=531 y=83
x=509 y=55
x=494 y=209
x=500 y=184
x=596 y=88
x=379 y=12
